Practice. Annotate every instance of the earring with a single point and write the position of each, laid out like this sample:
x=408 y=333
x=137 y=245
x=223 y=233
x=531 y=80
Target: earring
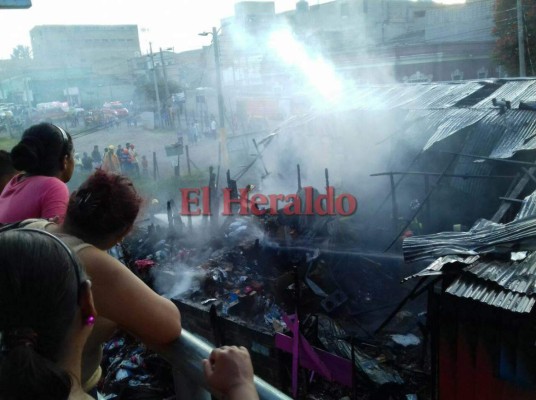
x=90 y=320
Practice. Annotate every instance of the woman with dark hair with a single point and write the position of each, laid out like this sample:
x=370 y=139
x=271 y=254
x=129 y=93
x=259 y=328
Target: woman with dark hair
x=46 y=317
x=45 y=154
x=7 y=171
x=99 y=215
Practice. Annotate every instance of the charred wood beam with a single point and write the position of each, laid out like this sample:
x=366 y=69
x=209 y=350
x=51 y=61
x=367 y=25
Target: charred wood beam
x=529 y=173
x=511 y=199
x=266 y=142
x=394 y=203
x=414 y=293
x=491 y=159
x=513 y=193
x=280 y=245
x=259 y=155
x=444 y=175
x=380 y=207
x=425 y=200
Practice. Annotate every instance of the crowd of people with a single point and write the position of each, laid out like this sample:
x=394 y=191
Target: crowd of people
x=120 y=160
x=62 y=295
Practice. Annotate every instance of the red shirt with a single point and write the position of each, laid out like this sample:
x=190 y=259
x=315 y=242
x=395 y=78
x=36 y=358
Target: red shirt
x=33 y=197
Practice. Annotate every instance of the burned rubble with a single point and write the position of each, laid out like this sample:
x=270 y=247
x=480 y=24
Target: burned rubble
x=257 y=270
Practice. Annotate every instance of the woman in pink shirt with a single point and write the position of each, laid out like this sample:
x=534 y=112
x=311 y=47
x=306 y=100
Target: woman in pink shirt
x=45 y=154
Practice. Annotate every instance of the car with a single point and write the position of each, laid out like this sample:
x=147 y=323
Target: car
x=115 y=108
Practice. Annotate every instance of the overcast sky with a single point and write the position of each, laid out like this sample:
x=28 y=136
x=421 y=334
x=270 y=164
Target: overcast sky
x=166 y=23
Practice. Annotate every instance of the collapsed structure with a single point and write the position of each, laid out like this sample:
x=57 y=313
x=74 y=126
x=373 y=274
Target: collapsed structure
x=454 y=153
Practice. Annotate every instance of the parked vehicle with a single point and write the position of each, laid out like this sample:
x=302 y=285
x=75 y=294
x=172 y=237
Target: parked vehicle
x=116 y=108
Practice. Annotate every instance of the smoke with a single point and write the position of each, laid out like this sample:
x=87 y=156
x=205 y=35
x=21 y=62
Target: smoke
x=176 y=280
x=332 y=124
x=316 y=71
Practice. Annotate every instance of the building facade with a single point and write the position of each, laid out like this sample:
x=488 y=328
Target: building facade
x=104 y=49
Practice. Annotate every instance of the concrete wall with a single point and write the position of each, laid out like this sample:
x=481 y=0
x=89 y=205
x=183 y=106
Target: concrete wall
x=469 y=22
x=104 y=48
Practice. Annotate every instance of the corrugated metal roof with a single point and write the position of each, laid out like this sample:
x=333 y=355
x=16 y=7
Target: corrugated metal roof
x=481 y=142
x=519 y=131
x=408 y=96
x=484 y=237
x=384 y=97
x=514 y=92
x=528 y=209
x=486 y=275
x=504 y=134
x=455 y=120
x=515 y=276
x=443 y=95
x=493 y=296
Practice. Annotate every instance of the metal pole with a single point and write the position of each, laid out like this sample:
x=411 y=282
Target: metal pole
x=166 y=87
x=521 y=39
x=223 y=134
x=188 y=160
x=185 y=355
x=158 y=118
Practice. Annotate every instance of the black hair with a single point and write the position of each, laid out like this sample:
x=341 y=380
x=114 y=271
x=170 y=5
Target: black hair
x=42 y=149
x=6 y=165
x=39 y=289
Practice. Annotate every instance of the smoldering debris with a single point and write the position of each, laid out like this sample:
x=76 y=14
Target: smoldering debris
x=257 y=270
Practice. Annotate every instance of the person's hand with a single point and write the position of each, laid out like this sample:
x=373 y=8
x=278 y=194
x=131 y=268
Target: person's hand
x=229 y=371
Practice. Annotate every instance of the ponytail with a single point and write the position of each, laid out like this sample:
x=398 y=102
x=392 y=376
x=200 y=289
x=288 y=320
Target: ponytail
x=25 y=374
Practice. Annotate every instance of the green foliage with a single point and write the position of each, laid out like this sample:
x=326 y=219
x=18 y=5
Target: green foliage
x=7 y=143
x=21 y=53
x=147 y=90
x=506 y=50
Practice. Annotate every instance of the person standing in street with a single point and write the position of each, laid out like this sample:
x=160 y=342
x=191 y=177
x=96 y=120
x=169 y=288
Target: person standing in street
x=96 y=156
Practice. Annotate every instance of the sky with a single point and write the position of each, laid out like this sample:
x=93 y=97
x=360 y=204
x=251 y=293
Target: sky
x=165 y=23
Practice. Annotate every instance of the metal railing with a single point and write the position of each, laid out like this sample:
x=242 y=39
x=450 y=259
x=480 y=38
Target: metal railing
x=186 y=355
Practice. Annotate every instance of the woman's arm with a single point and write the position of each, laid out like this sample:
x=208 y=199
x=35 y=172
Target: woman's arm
x=54 y=200
x=122 y=297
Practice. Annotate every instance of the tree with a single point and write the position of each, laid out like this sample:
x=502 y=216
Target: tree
x=506 y=51
x=21 y=53
x=146 y=89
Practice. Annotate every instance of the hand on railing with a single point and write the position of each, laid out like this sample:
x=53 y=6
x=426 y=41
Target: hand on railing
x=229 y=372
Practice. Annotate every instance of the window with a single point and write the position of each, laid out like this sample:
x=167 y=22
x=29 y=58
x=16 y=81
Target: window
x=419 y=14
x=482 y=73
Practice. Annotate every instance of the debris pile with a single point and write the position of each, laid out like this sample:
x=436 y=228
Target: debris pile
x=260 y=269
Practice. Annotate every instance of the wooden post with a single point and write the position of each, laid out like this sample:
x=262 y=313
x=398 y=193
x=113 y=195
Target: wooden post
x=427 y=210
x=212 y=198
x=156 y=174
x=178 y=169
x=188 y=160
x=395 y=206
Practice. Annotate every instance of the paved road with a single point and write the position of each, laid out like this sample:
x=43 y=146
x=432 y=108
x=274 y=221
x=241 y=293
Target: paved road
x=203 y=154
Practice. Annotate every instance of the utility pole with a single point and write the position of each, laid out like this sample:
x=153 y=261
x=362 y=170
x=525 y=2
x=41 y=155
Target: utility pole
x=166 y=87
x=158 y=116
x=521 y=39
x=223 y=133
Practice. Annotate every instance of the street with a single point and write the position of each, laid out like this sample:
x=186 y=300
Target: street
x=202 y=154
